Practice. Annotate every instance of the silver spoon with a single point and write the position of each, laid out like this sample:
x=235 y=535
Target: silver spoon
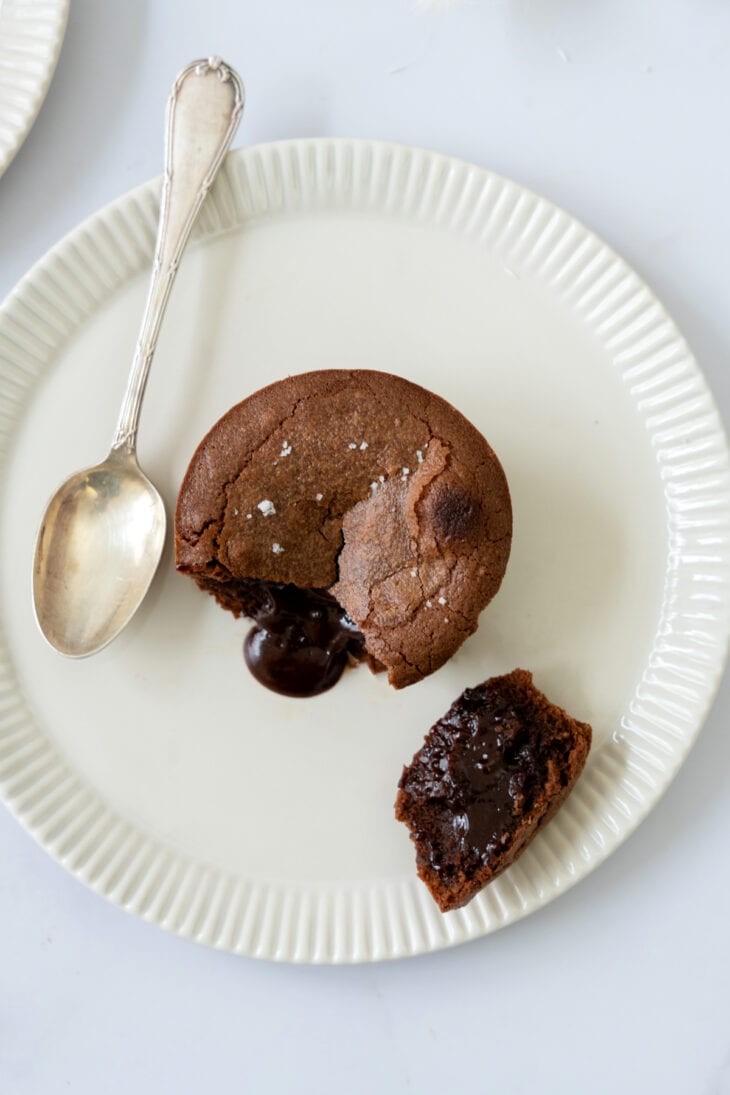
x=101 y=537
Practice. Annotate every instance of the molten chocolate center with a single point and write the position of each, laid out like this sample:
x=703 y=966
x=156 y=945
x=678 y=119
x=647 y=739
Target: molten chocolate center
x=301 y=641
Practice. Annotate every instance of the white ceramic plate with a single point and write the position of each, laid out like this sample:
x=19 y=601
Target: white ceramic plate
x=158 y=771
x=31 y=34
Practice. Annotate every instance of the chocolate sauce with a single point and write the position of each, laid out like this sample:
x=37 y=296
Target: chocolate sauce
x=302 y=639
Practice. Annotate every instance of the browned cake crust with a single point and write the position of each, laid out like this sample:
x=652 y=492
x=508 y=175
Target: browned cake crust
x=361 y=483
x=489 y=775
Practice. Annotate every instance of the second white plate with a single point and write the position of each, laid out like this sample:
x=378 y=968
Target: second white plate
x=158 y=771
x=31 y=35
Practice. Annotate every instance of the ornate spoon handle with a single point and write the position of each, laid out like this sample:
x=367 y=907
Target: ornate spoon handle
x=203 y=112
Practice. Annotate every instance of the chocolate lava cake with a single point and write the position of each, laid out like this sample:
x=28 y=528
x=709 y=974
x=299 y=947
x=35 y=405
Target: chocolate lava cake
x=489 y=775
x=350 y=513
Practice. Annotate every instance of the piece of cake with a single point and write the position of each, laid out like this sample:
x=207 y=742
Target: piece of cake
x=489 y=775
x=360 y=485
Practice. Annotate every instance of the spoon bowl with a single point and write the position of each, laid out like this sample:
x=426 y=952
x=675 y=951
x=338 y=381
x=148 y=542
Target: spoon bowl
x=96 y=554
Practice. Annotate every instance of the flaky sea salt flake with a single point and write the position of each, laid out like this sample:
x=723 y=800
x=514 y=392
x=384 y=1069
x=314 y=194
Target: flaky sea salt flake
x=267 y=507
x=277 y=549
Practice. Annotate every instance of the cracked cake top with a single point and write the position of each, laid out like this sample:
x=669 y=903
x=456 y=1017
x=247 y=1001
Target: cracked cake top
x=363 y=484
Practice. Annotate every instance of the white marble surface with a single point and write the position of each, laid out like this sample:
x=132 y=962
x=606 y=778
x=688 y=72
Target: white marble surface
x=617 y=110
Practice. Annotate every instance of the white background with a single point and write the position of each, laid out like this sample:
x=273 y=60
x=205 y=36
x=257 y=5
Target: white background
x=617 y=110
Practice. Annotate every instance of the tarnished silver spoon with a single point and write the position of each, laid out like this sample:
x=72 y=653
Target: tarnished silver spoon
x=101 y=537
